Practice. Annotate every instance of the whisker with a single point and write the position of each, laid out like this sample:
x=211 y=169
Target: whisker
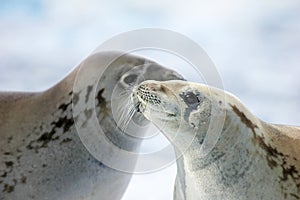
x=126 y=109
x=126 y=121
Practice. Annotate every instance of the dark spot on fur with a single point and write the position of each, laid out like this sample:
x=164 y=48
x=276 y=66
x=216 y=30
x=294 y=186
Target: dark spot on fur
x=277 y=159
x=9 y=188
x=100 y=98
x=64 y=106
x=7 y=153
x=9 y=164
x=68 y=124
x=64 y=122
x=289 y=171
x=24 y=179
x=75 y=98
x=89 y=90
x=3 y=175
x=66 y=140
x=9 y=139
x=88 y=113
x=19 y=157
x=295 y=196
x=47 y=137
x=44 y=165
x=273 y=156
x=271 y=152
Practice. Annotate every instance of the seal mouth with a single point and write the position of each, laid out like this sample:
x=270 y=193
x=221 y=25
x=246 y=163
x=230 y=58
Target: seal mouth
x=145 y=95
x=146 y=100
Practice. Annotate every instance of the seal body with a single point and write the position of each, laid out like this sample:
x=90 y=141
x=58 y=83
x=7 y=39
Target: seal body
x=250 y=159
x=41 y=154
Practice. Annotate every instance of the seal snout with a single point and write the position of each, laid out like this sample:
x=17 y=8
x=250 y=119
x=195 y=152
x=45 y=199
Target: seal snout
x=149 y=92
x=153 y=86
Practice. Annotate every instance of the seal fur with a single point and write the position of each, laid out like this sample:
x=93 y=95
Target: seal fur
x=41 y=154
x=251 y=159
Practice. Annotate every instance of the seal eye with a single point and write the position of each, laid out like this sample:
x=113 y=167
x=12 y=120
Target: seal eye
x=191 y=98
x=130 y=78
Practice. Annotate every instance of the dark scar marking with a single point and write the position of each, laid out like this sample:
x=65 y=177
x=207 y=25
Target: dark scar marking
x=89 y=90
x=277 y=159
x=273 y=156
x=271 y=152
x=244 y=119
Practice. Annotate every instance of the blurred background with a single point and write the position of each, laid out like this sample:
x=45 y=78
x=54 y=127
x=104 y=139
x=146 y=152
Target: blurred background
x=255 y=46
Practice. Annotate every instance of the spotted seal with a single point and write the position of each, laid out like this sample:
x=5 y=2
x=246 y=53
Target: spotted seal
x=251 y=159
x=41 y=154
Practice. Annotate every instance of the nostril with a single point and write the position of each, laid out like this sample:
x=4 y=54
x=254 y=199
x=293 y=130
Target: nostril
x=153 y=88
x=163 y=89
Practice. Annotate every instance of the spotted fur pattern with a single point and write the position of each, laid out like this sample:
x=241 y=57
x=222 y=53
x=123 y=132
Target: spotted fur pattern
x=41 y=154
x=250 y=160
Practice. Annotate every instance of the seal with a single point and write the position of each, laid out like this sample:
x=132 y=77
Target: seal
x=251 y=159
x=41 y=154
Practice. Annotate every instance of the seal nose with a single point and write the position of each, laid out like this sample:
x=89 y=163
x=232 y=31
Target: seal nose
x=152 y=87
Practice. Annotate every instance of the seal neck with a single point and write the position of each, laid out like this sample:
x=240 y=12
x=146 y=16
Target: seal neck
x=233 y=160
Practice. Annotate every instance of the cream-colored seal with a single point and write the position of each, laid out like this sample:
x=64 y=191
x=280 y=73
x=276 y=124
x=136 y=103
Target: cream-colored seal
x=250 y=159
x=41 y=154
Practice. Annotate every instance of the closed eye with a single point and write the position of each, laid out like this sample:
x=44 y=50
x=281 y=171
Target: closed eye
x=130 y=79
